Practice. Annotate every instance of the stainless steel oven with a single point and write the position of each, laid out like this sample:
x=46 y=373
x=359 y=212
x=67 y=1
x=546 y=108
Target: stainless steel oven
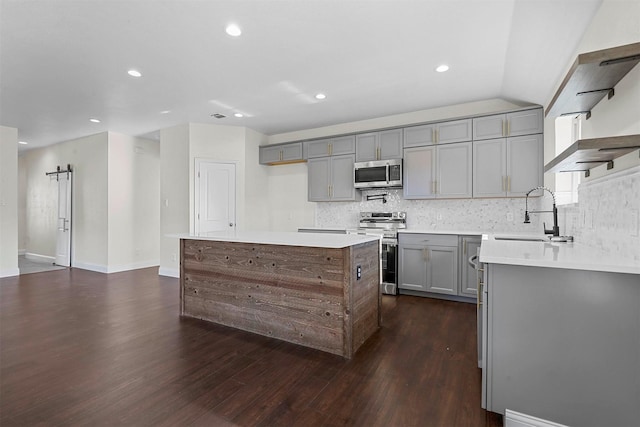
x=385 y=225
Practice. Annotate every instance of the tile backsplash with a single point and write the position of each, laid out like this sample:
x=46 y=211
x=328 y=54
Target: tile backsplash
x=481 y=215
x=607 y=214
x=606 y=217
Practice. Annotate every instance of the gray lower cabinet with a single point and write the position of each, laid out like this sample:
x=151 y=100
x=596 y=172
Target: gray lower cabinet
x=384 y=145
x=442 y=171
x=507 y=167
x=428 y=263
x=331 y=179
x=468 y=280
x=562 y=344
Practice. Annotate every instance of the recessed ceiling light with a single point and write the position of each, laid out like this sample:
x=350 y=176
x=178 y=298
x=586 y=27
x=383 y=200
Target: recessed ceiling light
x=321 y=96
x=134 y=73
x=23 y=142
x=442 y=68
x=239 y=115
x=94 y=120
x=165 y=111
x=233 y=30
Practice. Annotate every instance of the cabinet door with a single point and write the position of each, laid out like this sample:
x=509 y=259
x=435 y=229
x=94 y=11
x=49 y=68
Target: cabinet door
x=468 y=280
x=455 y=131
x=318 y=148
x=419 y=172
x=489 y=127
x=524 y=122
x=319 y=173
x=269 y=154
x=417 y=136
x=367 y=147
x=413 y=267
x=342 y=188
x=453 y=171
x=390 y=144
x=343 y=145
x=524 y=164
x=442 y=269
x=489 y=168
x=291 y=152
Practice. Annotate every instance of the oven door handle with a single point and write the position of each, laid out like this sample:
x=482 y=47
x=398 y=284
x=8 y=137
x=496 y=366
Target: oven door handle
x=387 y=170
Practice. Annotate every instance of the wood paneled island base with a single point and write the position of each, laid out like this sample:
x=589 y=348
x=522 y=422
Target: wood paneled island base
x=302 y=294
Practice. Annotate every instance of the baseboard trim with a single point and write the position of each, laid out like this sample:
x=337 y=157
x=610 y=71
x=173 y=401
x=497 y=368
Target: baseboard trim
x=169 y=272
x=39 y=258
x=9 y=272
x=516 y=419
x=133 y=266
x=91 y=267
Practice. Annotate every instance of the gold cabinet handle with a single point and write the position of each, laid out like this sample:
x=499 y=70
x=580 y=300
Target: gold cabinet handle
x=508 y=183
x=508 y=127
x=504 y=127
x=280 y=155
x=437 y=136
x=464 y=247
x=433 y=135
x=330 y=148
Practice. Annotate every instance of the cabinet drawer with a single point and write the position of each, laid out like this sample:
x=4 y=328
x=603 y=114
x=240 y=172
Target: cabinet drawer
x=428 y=239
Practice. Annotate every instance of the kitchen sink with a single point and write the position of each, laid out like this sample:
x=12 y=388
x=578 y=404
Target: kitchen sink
x=522 y=239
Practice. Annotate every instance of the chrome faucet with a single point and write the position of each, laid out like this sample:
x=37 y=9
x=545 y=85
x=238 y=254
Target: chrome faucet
x=555 y=231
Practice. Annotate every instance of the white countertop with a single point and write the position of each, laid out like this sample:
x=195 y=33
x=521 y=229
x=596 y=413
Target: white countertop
x=452 y=232
x=316 y=240
x=573 y=256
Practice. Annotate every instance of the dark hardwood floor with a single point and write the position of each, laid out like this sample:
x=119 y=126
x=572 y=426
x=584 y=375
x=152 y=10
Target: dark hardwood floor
x=84 y=348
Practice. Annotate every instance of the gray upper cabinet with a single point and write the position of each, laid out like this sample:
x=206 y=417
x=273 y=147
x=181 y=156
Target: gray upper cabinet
x=282 y=153
x=331 y=146
x=331 y=179
x=518 y=123
x=382 y=145
x=438 y=133
x=507 y=167
x=443 y=171
x=524 y=164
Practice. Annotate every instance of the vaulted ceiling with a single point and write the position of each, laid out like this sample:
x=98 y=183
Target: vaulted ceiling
x=63 y=62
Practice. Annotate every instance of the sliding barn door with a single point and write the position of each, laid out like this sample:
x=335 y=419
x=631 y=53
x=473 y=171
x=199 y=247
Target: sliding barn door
x=63 y=233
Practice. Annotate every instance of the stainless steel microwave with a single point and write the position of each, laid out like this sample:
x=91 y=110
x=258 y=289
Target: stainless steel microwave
x=378 y=174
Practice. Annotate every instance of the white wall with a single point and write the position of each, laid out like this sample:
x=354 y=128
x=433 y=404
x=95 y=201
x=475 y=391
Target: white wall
x=434 y=114
x=88 y=158
x=8 y=202
x=133 y=207
x=174 y=195
x=608 y=207
x=180 y=146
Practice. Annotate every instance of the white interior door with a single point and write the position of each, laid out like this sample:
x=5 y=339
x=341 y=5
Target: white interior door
x=63 y=233
x=215 y=196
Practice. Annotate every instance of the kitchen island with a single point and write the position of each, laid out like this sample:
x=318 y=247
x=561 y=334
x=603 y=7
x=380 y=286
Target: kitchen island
x=317 y=290
x=560 y=332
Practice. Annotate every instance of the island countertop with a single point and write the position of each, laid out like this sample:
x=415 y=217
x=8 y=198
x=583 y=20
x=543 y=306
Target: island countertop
x=285 y=238
x=575 y=256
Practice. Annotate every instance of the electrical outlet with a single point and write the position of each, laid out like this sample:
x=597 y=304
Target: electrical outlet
x=174 y=257
x=510 y=216
x=439 y=217
x=358 y=272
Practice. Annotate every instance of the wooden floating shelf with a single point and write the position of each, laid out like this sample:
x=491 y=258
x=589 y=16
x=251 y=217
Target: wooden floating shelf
x=592 y=76
x=586 y=154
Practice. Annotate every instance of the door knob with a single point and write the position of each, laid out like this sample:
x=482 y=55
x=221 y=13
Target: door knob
x=230 y=224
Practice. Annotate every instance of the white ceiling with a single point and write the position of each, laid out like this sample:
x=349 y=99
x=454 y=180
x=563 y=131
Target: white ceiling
x=65 y=61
